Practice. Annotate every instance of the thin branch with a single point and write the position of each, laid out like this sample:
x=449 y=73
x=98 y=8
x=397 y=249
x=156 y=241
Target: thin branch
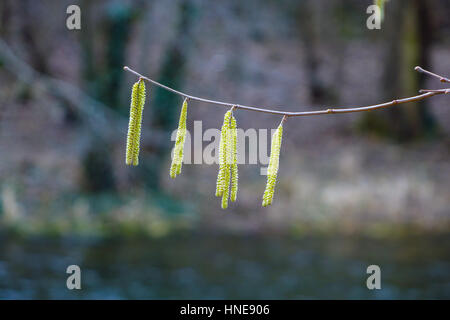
x=444 y=91
x=304 y=113
x=440 y=78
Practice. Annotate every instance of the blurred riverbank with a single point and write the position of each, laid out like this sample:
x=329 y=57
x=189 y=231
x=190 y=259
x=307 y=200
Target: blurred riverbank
x=208 y=266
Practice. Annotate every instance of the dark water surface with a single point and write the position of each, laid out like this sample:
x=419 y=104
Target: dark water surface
x=239 y=267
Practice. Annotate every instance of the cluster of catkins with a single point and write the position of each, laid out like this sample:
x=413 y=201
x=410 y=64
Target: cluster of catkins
x=228 y=170
x=227 y=178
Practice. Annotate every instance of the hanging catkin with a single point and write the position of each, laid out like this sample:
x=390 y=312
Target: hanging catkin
x=222 y=154
x=177 y=159
x=272 y=170
x=226 y=187
x=234 y=167
x=228 y=163
x=134 y=126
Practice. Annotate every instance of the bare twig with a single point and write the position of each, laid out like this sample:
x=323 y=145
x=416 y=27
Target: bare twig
x=286 y=114
x=441 y=78
x=444 y=91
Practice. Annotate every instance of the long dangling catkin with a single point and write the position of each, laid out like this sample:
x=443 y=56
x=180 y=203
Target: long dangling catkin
x=134 y=126
x=228 y=162
x=272 y=170
x=219 y=188
x=221 y=177
x=177 y=159
x=234 y=167
x=226 y=186
x=229 y=168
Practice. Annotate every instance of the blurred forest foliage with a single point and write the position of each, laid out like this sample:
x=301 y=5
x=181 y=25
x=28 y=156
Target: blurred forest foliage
x=65 y=101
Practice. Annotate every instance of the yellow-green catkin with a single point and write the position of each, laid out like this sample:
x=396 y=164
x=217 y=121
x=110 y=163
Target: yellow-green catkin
x=225 y=160
x=234 y=167
x=226 y=187
x=228 y=162
x=134 y=126
x=227 y=165
x=177 y=159
x=219 y=183
x=272 y=170
x=222 y=154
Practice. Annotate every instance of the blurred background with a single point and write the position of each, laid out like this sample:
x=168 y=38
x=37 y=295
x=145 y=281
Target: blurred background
x=353 y=190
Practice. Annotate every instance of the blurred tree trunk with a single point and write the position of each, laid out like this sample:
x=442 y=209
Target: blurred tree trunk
x=118 y=25
x=409 y=29
x=35 y=45
x=87 y=38
x=5 y=15
x=102 y=74
x=172 y=72
x=98 y=175
x=309 y=23
x=166 y=105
